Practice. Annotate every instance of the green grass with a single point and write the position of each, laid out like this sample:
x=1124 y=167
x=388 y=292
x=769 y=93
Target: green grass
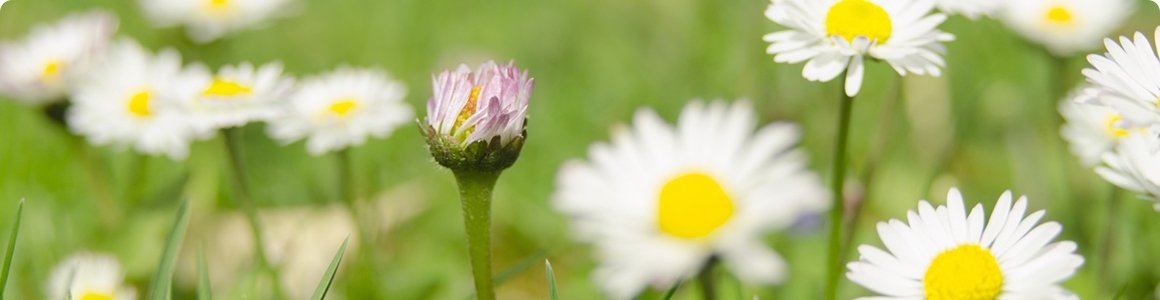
x=989 y=124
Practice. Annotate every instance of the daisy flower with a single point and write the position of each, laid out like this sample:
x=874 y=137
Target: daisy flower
x=341 y=109
x=1066 y=27
x=1091 y=130
x=944 y=253
x=1127 y=79
x=44 y=65
x=208 y=20
x=489 y=103
x=1135 y=165
x=972 y=9
x=836 y=36
x=131 y=98
x=238 y=95
x=87 y=276
x=659 y=201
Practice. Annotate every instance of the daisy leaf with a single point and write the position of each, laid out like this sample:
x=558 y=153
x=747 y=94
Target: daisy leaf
x=552 y=293
x=328 y=278
x=672 y=290
x=163 y=280
x=203 y=291
x=11 y=248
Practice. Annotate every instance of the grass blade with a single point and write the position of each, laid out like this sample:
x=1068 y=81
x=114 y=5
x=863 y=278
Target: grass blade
x=672 y=290
x=515 y=269
x=328 y=278
x=203 y=291
x=552 y=293
x=163 y=281
x=11 y=248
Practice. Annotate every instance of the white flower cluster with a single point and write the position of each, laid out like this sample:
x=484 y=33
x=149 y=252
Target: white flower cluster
x=124 y=94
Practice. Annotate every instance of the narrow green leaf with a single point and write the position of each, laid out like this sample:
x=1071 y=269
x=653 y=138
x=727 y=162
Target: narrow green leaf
x=164 y=279
x=11 y=248
x=672 y=290
x=203 y=291
x=328 y=278
x=515 y=269
x=552 y=293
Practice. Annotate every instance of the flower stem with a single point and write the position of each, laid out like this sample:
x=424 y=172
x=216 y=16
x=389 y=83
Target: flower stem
x=235 y=147
x=707 y=281
x=1108 y=241
x=475 y=189
x=836 y=214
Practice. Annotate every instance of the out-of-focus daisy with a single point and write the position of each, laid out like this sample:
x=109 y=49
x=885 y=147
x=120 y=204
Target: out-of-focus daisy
x=238 y=95
x=659 y=201
x=2 y=3
x=971 y=9
x=131 y=98
x=89 y=276
x=1091 y=130
x=1135 y=165
x=944 y=253
x=341 y=109
x=1127 y=79
x=44 y=65
x=208 y=20
x=837 y=35
x=1066 y=27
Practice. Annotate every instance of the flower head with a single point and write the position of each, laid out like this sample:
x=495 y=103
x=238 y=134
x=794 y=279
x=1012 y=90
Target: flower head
x=86 y=276
x=1091 y=130
x=1066 y=27
x=1135 y=165
x=45 y=65
x=837 y=35
x=478 y=118
x=944 y=253
x=342 y=108
x=972 y=9
x=238 y=95
x=208 y=20
x=1127 y=80
x=660 y=200
x=131 y=97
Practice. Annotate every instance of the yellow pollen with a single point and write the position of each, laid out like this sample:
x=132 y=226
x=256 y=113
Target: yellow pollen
x=139 y=104
x=852 y=18
x=343 y=107
x=1059 y=15
x=968 y=272
x=95 y=296
x=222 y=87
x=1113 y=130
x=51 y=70
x=468 y=109
x=693 y=206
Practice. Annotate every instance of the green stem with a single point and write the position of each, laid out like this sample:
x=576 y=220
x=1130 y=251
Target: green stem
x=234 y=145
x=707 y=281
x=837 y=187
x=345 y=186
x=1108 y=237
x=475 y=188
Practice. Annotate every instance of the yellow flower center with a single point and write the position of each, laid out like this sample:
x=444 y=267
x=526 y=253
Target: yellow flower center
x=342 y=107
x=95 y=296
x=968 y=272
x=1113 y=130
x=853 y=18
x=468 y=109
x=221 y=87
x=693 y=206
x=139 y=104
x=1059 y=15
x=51 y=70
x=219 y=2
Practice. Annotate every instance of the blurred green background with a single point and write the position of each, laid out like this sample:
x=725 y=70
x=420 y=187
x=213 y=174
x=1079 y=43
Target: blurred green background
x=988 y=125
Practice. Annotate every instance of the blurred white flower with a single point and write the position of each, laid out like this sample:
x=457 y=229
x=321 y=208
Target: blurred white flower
x=1066 y=27
x=972 y=9
x=208 y=20
x=492 y=102
x=836 y=35
x=1091 y=130
x=1127 y=79
x=2 y=3
x=341 y=108
x=659 y=201
x=131 y=98
x=238 y=95
x=1135 y=165
x=944 y=253
x=44 y=65
x=88 y=276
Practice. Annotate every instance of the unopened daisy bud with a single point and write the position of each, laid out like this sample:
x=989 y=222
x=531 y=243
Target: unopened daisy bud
x=476 y=120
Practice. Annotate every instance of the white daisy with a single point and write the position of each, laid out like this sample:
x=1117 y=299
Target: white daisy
x=1091 y=130
x=44 y=65
x=659 y=201
x=1127 y=79
x=131 y=98
x=836 y=35
x=238 y=95
x=1135 y=165
x=341 y=109
x=944 y=253
x=88 y=276
x=1066 y=27
x=972 y=9
x=208 y=20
